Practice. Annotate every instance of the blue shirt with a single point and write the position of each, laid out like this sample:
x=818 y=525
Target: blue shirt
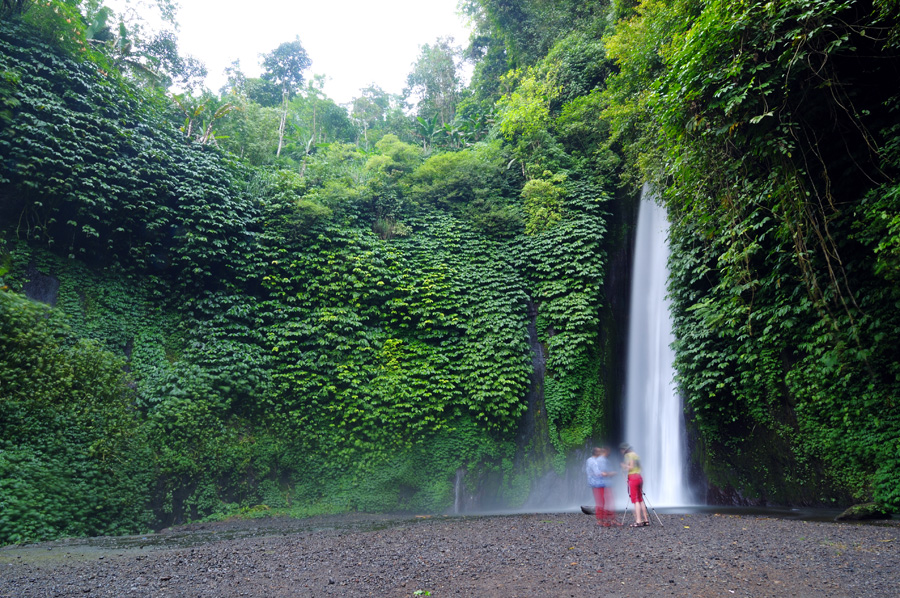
x=596 y=467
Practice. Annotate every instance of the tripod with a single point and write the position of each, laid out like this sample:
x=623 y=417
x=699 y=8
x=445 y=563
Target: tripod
x=644 y=494
x=625 y=514
x=652 y=509
x=627 y=500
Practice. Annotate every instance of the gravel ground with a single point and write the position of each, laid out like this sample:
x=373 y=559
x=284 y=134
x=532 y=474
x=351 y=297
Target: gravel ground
x=533 y=555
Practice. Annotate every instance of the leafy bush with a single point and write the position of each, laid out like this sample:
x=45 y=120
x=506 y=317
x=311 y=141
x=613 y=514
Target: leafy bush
x=73 y=460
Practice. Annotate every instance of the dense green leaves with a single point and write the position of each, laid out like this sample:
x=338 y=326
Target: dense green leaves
x=334 y=326
x=71 y=454
x=771 y=143
x=94 y=171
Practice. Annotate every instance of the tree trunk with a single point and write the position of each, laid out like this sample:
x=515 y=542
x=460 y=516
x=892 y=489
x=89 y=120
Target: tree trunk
x=284 y=107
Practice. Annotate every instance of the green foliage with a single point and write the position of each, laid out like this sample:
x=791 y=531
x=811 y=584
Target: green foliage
x=374 y=382
x=89 y=176
x=782 y=242
x=13 y=8
x=530 y=28
x=350 y=330
x=251 y=133
x=394 y=156
x=55 y=22
x=284 y=67
x=287 y=208
x=435 y=83
x=376 y=113
x=543 y=202
x=878 y=220
x=551 y=112
x=524 y=118
x=578 y=63
x=453 y=180
x=567 y=262
x=316 y=121
x=202 y=114
x=71 y=455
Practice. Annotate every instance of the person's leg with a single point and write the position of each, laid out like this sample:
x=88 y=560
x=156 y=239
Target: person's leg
x=598 y=503
x=603 y=514
x=636 y=489
x=641 y=509
x=607 y=506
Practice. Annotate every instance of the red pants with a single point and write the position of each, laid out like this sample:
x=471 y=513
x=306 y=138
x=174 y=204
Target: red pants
x=636 y=487
x=600 y=504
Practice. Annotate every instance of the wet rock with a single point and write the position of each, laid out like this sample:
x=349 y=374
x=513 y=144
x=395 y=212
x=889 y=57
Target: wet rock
x=864 y=512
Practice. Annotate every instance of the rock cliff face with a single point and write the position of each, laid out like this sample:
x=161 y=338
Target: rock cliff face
x=763 y=471
x=40 y=286
x=617 y=295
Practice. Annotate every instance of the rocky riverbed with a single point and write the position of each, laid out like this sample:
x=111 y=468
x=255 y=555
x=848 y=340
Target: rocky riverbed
x=533 y=555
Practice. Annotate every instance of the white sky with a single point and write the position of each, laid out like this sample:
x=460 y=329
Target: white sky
x=353 y=42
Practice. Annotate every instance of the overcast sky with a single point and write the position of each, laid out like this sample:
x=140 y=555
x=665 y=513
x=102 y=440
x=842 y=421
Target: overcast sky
x=353 y=42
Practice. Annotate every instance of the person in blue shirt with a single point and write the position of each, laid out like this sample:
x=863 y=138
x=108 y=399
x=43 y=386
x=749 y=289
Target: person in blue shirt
x=598 y=474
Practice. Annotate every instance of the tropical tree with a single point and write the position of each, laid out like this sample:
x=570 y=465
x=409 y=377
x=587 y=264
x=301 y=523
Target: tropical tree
x=145 y=53
x=427 y=130
x=315 y=119
x=201 y=115
x=525 y=118
x=434 y=83
x=284 y=67
x=250 y=133
x=369 y=109
x=376 y=113
x=318 y=118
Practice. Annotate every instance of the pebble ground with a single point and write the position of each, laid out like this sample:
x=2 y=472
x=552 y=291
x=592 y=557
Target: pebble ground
x=533 y=555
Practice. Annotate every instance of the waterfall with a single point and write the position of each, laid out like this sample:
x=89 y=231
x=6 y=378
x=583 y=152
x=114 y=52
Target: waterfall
x=654 y=418
x=458 y=489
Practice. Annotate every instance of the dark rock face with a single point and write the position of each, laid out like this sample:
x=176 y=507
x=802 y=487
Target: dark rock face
x=864 y=512
x=534 y=420
x=731 y=497
x=41 y=287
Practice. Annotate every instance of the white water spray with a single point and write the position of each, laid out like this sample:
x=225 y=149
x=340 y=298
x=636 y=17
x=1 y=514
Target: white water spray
x=654 y=419
x=458 y=491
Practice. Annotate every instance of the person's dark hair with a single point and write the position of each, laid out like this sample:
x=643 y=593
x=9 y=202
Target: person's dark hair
x=624 y=447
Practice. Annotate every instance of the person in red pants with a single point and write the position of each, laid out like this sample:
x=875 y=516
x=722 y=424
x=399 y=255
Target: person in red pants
x=632 y=465
x=598 y=472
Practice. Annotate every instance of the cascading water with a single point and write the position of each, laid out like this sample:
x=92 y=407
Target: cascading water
x=458 y=489
x=654 y=419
